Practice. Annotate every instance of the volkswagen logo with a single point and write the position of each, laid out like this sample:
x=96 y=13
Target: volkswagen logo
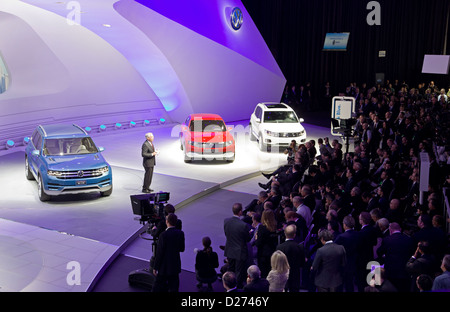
x=236 y=18
x=80 y=173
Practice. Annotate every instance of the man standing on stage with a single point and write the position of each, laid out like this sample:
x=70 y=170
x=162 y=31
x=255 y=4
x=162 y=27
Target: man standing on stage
x=148 y=154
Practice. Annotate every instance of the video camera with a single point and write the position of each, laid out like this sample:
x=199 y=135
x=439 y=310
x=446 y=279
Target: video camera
x=150 y=207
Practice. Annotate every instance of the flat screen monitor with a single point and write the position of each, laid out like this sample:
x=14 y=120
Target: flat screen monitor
x=436 y=64
x=141 y=205
x=336 y=42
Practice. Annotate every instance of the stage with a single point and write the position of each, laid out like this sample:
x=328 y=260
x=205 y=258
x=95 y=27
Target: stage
x=45 y=240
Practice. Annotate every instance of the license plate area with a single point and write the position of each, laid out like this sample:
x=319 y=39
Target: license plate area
x=82 y=182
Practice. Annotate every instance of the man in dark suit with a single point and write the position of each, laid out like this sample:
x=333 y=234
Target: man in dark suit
x=254 y=281
x=229 y=282
x=167 y=259
x=367 y=239
x=237 y=234
x=148 y=154
x=349 y=239
x=329 y=264
x=295 y=254
x=397 y=249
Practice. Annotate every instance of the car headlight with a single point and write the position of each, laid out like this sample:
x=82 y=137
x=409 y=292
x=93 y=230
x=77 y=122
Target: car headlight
x=228 y=143
x=54 y=173
x=270 y=133
x=196 y=144
x=103 y=170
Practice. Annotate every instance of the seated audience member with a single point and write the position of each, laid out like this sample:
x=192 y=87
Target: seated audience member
x=206 y=262
x=229 y=282
x=380 y=283
x=424 y=283
x=442 y=282
x=255 y=283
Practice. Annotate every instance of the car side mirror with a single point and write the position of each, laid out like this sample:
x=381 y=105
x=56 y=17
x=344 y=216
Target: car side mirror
x=302 y=120
x=258 y=120
x=229 y=128
x=101 y=149
x=35 y=153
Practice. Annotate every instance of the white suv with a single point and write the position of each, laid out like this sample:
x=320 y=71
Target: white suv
x=276 y=125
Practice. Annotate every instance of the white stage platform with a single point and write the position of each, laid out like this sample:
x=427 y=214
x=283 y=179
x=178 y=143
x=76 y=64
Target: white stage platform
x=38 y=240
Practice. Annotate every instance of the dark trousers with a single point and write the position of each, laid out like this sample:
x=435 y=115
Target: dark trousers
x=147 y=178
x=164 y=283
x=239 y=267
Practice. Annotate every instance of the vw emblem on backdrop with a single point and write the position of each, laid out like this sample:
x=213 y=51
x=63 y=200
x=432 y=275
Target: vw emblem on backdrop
x=236 y=18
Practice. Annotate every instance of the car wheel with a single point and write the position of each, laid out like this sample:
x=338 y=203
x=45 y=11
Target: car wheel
x=41 y=193
x=252 y=136
x=187 y=159
x=107 y=193
x=231 y=159
x=28 y=173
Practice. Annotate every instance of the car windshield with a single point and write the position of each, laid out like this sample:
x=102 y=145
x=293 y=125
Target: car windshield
x=280 y=117
x=69 y=146
x=203 y=125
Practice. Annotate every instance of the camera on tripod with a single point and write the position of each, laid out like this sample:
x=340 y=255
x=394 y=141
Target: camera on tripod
x=150 y=207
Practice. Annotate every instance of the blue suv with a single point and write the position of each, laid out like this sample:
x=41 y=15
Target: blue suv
x=63 y=159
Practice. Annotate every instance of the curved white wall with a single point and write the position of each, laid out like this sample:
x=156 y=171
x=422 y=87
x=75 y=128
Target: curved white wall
x=63 y=73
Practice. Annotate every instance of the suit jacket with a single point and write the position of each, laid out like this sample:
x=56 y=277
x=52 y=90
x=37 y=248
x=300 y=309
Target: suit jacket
x=237 y=234
x=367 y=238
x=167 y=259
x=349 y=239
x=295 y=254
x=396 y=249
x=257 y=285
x=329 y=265
x=148 y=158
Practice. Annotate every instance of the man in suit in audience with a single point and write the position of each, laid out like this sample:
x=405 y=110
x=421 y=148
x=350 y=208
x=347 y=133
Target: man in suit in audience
x=254 y=281
x=167 y=265
x=295 y=254
x=349 y=239
x=237 y=234
x=301 y=229
x=367 y=239
x=329 y=264
x=396 y=250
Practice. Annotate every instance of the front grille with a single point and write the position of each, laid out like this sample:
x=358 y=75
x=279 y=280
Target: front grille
x=79 y=174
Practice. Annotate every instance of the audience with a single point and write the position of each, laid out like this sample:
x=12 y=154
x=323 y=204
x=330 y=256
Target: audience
x=341 y=211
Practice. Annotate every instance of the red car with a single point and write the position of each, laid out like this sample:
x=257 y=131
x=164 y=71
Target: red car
x=205 y=136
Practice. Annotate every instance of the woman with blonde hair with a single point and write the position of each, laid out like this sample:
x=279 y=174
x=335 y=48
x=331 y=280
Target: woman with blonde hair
x=279 y=274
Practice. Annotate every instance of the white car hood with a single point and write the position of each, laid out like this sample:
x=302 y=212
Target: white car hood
x=283 y=127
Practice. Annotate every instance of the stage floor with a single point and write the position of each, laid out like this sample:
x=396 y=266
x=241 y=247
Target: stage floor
x=41 y=241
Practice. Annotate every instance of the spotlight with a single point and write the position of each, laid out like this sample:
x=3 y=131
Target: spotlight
x=146 y=122
x=26 y=140
x=132 y=124
x=10 y=144
x=162 y=121
x=88 y=129
x=102 y=128
x=118 y=125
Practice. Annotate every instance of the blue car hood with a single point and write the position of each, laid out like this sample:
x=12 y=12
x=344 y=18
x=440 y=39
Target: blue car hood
x=76 y=162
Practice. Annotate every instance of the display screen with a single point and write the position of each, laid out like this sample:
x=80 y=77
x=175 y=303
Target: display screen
x=336 y=41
